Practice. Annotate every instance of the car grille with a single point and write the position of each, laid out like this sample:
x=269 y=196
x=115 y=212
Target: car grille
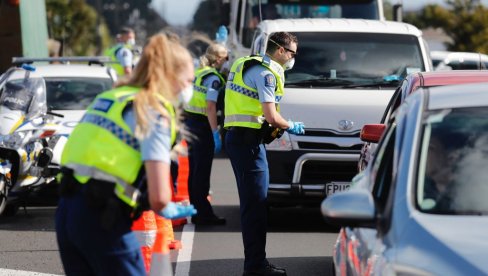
x=327 y=146
x=330 y=133
x=315 y=172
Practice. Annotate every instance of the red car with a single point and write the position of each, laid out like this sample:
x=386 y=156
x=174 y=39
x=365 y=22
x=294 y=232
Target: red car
x=370 y=134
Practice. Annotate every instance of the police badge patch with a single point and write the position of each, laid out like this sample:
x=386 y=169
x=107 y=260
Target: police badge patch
x=215 y=84
x=269 y=80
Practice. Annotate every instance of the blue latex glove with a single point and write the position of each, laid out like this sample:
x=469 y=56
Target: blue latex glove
x=174 y=211
x=217 y=141
x=296 y=127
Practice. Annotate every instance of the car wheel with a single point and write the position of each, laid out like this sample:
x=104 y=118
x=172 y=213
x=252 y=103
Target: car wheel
x=3 y=194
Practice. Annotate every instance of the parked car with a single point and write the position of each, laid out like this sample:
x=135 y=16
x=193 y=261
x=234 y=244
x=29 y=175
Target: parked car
x=420 y=207
x=336 y=86
x=71 y=85
x=445 y=60
x=411 y=84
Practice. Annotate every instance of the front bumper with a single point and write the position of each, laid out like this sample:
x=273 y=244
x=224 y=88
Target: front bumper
x=300 y=177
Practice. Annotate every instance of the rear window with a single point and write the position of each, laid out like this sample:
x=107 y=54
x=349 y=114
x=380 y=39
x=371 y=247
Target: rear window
x=74 y=93
x=453 y=161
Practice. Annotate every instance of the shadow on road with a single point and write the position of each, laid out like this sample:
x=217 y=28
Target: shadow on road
x=309 y=266
x=33 y=219
x=289 y=219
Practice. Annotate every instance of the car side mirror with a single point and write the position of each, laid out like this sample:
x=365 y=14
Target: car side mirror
x=354 y=208
x=372 y=132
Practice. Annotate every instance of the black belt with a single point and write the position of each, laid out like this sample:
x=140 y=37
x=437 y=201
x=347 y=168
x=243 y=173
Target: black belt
x=196 y=117
x=244 y=129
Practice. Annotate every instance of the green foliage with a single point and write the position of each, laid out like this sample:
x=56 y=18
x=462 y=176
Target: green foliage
x=464 y=21
x=74 y=24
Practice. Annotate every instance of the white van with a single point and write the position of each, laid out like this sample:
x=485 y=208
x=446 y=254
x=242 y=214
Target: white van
x=345 y=73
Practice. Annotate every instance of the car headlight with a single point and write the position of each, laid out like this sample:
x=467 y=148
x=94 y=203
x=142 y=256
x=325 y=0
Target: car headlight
x=14 y=140
x=281 y=144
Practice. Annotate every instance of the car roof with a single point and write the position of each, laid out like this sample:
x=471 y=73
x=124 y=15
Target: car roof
x=437 y=78
x=337 y=25
x=461 y=56
x=67 y=70
x=457 y=96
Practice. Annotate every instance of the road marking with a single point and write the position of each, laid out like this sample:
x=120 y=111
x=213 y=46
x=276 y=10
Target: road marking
x=11 y=272
x=184 y=255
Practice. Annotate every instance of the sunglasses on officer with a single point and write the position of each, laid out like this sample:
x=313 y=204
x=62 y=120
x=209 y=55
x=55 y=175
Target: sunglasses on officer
x=293 y=53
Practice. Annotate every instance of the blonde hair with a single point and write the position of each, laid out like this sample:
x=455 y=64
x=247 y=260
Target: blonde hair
x=157 y=70
x=213 y=52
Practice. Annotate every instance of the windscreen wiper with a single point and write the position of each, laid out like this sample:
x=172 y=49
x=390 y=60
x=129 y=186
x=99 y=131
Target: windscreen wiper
x=319 y=82
x=393 y=83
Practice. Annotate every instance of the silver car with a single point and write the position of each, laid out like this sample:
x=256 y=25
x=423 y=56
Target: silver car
x=420 y=206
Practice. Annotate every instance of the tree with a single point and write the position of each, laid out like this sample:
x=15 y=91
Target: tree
x=74 y=24
x=208 y=17
x=464 y=21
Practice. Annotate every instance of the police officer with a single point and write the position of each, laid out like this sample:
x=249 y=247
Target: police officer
x=122 y=54
x=254 y=89
x=201 y=122
x=116 y=164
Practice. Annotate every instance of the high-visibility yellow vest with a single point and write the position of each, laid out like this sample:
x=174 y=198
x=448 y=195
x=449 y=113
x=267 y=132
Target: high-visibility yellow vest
x=103 y=147
x=198 y=102
x=112 y=53
x=242 y=106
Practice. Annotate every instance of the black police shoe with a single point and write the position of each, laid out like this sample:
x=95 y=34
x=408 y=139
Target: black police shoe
x=213 y=220
x=269 y=270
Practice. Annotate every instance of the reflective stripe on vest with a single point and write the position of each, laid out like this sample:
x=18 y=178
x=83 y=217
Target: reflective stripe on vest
x=198 y=102
x=109 y=125
x=242 y=105
x=103 y=147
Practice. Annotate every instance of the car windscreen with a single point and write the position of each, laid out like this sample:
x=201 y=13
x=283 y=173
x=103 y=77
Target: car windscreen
x=74 y=93
x=289 y=9
x=327 y=59
x=453 y=160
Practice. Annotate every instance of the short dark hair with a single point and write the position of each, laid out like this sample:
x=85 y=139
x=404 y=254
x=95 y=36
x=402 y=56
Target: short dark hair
x=280 y=39
x=126 y=30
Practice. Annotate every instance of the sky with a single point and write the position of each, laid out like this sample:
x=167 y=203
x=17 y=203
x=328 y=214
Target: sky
x=180 y=12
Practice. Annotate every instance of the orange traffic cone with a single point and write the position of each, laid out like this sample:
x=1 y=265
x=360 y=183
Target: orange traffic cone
x=166 y=226
x=160 y=260
x=183 y=171
x=145 y=229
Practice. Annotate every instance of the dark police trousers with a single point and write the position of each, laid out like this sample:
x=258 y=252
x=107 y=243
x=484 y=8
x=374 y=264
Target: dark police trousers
x=248 y=158
x=200 y=157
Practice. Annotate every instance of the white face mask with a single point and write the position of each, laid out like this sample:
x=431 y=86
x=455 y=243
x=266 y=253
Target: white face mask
x=186 y=94
x=131 y=41
x=289 y=64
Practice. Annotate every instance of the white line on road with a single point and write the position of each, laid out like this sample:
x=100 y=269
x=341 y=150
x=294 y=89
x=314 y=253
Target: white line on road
x=184 y=255
x=11 y=272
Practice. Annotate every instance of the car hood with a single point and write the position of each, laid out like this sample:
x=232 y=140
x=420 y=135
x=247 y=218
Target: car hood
x=324 y=108
x=459 y=242
x=70 y=120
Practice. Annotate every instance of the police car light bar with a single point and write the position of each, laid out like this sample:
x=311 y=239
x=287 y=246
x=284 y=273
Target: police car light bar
x=66 y=60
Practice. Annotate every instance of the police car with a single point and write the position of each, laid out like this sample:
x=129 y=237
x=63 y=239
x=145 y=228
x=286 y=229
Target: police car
x=71 y=84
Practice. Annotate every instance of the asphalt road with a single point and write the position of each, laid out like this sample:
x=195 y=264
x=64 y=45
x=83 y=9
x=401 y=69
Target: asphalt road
x=298 y=239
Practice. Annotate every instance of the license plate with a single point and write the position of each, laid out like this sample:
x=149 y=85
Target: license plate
x=334 y=187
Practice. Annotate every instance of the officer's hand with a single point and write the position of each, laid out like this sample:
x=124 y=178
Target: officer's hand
x=295 y=127
x=174 y=211
x=217 y=141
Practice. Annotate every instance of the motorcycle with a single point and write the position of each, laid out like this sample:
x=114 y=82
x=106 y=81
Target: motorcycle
x=30 y=151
